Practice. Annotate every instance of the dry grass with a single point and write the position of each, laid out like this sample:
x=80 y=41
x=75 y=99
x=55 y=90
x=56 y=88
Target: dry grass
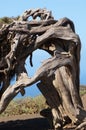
x=25 y=106
x=29 y=105
x=82 y=90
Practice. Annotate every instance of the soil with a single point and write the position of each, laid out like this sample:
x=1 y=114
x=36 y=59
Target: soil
x=29 y=122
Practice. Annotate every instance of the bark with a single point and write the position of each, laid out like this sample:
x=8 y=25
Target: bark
x=58 y=75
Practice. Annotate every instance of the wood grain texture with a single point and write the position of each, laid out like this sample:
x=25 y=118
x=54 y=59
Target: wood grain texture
x=58 y=75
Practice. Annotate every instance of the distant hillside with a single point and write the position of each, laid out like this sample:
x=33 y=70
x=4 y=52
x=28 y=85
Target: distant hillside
x=30 y=105
x=82 y=90
x=82 y=87
x=7 y=20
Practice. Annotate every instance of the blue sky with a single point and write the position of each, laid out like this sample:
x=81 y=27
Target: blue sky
x=73 y=9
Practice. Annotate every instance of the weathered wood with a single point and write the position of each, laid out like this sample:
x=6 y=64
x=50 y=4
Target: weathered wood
x=58 y=75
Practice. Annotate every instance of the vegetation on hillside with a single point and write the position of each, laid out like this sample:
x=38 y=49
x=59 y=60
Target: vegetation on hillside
x=29 y=105
x=7 y=20
x=82 y=90
x=25 y=106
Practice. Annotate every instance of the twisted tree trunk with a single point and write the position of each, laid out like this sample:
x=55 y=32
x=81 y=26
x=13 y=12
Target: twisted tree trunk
x=58 y=75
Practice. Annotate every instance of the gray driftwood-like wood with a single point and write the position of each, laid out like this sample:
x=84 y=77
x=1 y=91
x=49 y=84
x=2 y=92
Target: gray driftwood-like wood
x=58 y=75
